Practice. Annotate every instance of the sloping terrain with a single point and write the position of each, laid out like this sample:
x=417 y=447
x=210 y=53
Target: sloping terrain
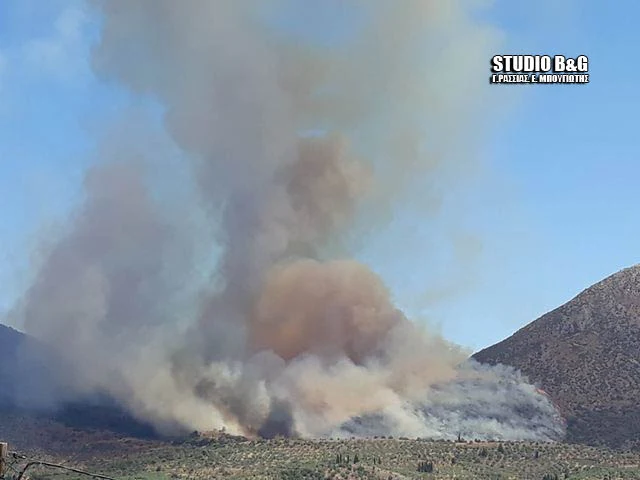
x=25 y=375
x=586 y=356
x=29 y=387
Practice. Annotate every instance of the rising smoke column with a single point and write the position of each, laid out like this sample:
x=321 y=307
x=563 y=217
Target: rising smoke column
x=288 y=335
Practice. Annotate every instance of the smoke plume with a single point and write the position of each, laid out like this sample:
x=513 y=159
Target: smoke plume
x=295 y=149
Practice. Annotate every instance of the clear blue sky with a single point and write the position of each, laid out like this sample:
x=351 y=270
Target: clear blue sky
x=562 y=213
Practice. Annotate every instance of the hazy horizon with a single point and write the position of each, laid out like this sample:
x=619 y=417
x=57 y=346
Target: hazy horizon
x=547 y=212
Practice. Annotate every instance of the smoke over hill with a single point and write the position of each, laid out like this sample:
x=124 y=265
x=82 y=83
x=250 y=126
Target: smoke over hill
x=285 y=334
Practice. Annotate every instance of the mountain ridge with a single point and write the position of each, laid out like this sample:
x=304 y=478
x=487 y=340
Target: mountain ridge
x=584 y=355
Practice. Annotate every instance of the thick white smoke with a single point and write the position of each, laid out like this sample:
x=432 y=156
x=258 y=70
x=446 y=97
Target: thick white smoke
x=287 y=336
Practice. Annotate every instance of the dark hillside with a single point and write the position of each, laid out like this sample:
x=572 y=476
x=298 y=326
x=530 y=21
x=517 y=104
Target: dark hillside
x=28 y=385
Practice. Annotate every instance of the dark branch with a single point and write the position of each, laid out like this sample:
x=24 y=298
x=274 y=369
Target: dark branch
x=54 y=465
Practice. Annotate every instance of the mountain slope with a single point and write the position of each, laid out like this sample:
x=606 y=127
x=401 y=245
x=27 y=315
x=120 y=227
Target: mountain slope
x=30 y=385
x=27 y=369
x=12 y=369
x=586 y=356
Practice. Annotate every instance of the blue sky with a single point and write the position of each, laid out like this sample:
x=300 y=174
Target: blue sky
x=559 y=216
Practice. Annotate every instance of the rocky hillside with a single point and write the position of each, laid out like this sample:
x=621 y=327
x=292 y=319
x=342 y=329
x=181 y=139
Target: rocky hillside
x=586 y=355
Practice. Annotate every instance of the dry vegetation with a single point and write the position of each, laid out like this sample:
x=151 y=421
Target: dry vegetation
x=224 y=456
x=582 y=353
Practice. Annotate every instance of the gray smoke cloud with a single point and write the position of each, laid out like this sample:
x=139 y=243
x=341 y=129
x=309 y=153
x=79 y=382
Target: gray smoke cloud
x=284 y=334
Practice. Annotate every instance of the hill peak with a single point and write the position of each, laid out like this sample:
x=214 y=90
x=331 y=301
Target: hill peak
x=585 y=355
